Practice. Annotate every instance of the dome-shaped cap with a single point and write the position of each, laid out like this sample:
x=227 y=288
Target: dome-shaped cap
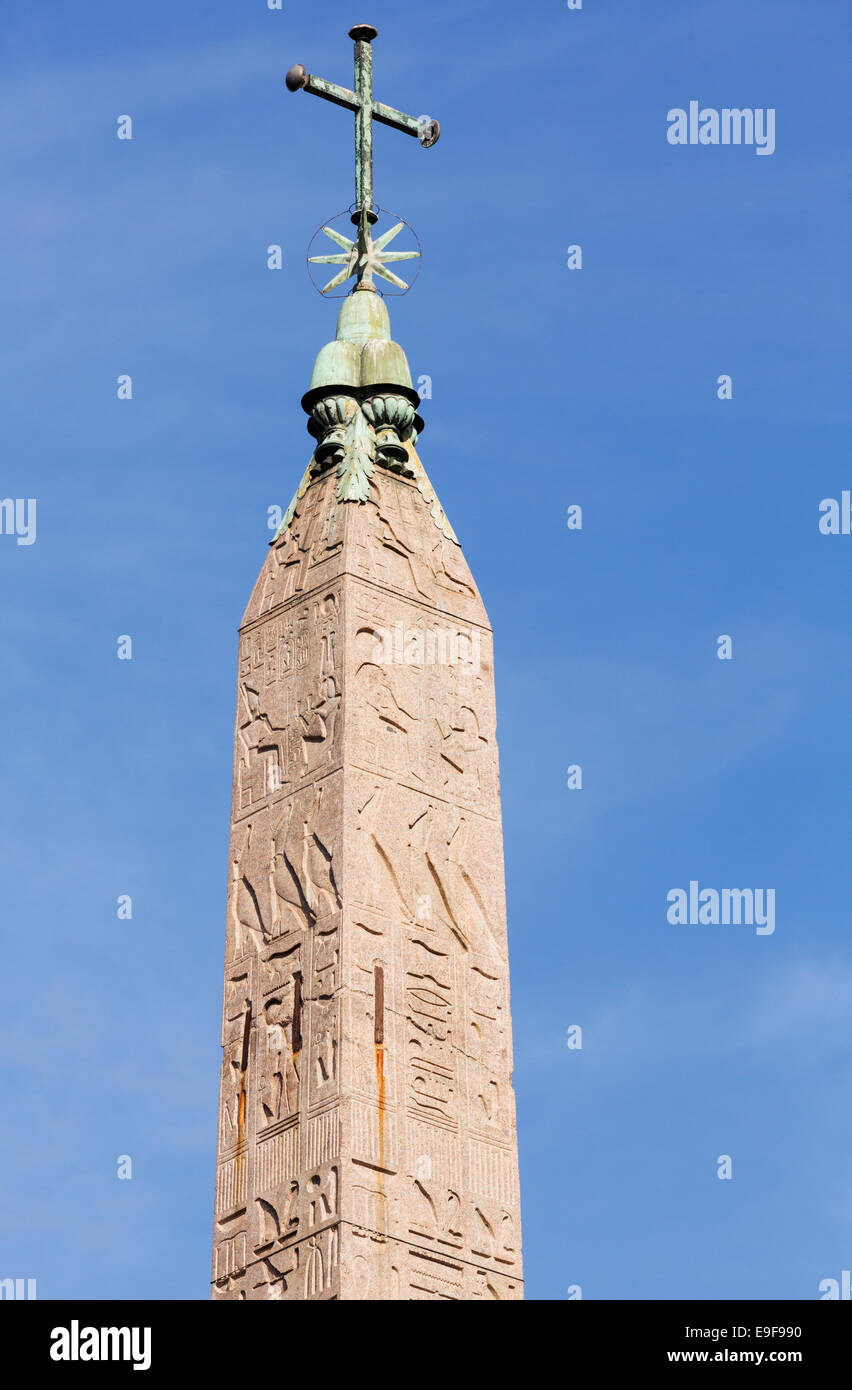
x=337 y=364
x=384 y=364
x=363 y=354
x=363 y=316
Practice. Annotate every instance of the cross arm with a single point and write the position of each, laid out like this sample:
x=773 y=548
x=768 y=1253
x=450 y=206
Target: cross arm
x=423 y=128
x=387 y=115
x=341 y=96
x=426 y=132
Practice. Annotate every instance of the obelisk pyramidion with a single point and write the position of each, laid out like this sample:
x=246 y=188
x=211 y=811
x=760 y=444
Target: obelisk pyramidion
x=367 y=1143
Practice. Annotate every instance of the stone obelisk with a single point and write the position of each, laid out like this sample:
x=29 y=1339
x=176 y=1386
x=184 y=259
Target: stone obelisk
x=367 y=1143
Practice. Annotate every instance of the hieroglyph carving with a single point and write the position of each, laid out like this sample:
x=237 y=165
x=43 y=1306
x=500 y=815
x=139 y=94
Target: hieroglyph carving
x=367 y=1125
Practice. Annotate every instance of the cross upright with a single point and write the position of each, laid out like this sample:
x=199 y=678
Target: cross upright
x=366 y=111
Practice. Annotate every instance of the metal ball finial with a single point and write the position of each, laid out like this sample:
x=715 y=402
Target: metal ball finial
x=296 y=78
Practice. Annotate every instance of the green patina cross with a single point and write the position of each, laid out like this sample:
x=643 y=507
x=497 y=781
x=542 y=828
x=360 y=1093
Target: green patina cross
x=364 y=257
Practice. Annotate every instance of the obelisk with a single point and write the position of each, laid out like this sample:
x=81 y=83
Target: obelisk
x=367 y=1142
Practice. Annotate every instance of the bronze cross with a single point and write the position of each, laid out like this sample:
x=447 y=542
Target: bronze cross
x=370 y=255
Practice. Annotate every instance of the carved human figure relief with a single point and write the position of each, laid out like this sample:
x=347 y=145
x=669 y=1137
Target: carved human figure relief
x=230 y=1092
x=261 y=765
x=318 y=717
x=279 y=1077
x=237 y=999
x=325 y=1042
x=321 y=1197
x=387 y=719
x=463 y=750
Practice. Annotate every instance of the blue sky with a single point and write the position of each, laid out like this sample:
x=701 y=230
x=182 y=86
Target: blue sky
x=550 y=387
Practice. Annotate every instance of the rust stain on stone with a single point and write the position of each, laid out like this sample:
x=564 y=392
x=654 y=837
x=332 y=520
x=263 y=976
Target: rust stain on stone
x=380 y=1077
x=379 y=1050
